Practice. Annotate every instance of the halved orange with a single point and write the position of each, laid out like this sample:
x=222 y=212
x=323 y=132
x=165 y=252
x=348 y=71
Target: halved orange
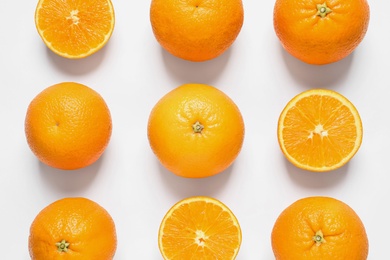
x=319 y=130
x=199 y=228
x=75 y=29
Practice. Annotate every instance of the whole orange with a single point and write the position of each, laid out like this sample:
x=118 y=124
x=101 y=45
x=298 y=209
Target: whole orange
x=196 y=30
x=68 y=126
x=321 y=31
x=196 y=130
x=319 y=228
x=72 y=228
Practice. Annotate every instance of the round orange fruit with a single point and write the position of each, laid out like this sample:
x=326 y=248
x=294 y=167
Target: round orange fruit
x=68 y=126
x=321 y=31
x=196 y=30
x=319 y=228
x=73 y=229
x=319 y=130
x=196 y=131
x=199 y=228
x=75 y=29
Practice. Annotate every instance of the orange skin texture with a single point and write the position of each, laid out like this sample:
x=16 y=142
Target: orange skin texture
x=196 y=30
x=84 y=224
x=342 y=230
x=68 y=126
x=75 y=29
x=316 y=40
x=185 y=152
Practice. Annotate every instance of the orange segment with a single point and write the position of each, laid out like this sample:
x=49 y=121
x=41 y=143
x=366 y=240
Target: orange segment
x=199 y=228
x=319 y=130
x=75 y=29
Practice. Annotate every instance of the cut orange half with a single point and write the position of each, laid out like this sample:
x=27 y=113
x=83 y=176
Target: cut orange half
x=75 y=29
x=319 y=130
x=199 y=228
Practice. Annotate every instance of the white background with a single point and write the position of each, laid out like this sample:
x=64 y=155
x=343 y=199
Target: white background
x=133 y=72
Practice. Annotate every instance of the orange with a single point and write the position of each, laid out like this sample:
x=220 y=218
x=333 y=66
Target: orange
x=319 y=130
x=321 y=31
x=196 y=30
x=72 y=228
x=319 y=228
x=68 y=126
x=75 y=29
x=199 y=228
x=196 y=131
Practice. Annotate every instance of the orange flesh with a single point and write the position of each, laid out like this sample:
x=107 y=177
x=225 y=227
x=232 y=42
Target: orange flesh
x=75 y=29
x=199 y=230
x=320 y=132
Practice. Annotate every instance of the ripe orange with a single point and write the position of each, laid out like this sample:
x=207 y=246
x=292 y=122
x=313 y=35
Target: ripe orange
x=320 y=31
x=319 y=228
x=68 y=126
x=72 y=228
x=75 y=29
x=196 y=131
x=199 y=228
x=196 y=30
x=319 y=130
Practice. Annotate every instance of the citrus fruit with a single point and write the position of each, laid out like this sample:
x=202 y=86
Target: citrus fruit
x=199 y=228
x=319 y=228
x=196 y=30
x=72 y=228
x=68 y=126
x=319 y=130
x=196 y=131
x=319 y=31
x=75 y=29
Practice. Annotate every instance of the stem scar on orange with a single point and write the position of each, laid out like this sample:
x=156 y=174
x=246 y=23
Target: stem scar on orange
x=72 y=228
x=199 y=228
x=321 y=31
x=68 y=126
x=196 y=131
x=196 y=30
x=319 y=228
x=75 y=29
x=319 y=130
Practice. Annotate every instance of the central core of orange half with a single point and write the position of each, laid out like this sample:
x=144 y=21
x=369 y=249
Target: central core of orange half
x=73 y=16
x=200 y=238
x=319 y=130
